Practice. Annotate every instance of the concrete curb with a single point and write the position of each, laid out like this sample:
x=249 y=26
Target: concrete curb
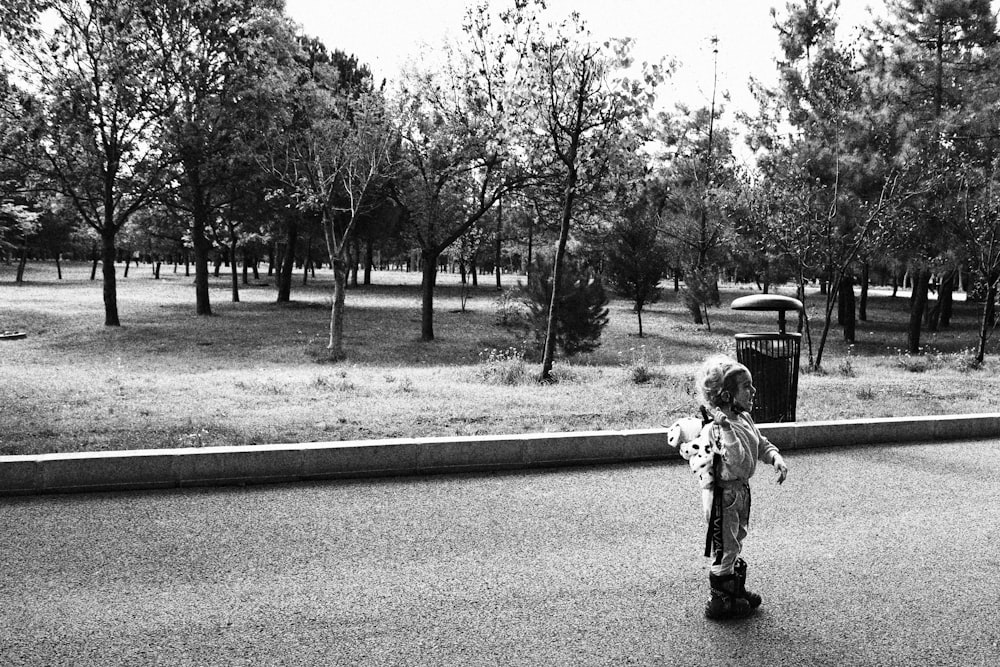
x=257 y=464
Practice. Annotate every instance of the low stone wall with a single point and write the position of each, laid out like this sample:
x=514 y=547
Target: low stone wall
x=208 y=466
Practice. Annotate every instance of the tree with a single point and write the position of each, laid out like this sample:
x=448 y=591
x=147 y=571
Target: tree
x=980 y=224
x=775 y=216
x=978 y=169
x=835 y=174
x=18 y=18
x=931 y=53
x=700 y=175
x=331 y=150
x=18 y=24
x=456 y=158
x=96 y=120
x=215 y=54
x=582 y=312
x=637 y=259
x=584 y=123
x=18 y=223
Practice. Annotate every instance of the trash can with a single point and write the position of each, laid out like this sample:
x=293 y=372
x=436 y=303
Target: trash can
x=773 y=359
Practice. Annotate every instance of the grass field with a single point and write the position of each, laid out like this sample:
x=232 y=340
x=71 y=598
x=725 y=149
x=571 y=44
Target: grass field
x=255 y=372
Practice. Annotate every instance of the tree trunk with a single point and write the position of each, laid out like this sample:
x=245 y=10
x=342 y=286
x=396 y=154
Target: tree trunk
x=110 y=286
x=638 y=314
x=933 y=316
x=803 y=326
x=863 y=303
x=946 y=297
x=847 y=306
x=355 y=261
x=430 y=259
x=841 y=305
x=549 y=351
x=336 y=345
x=531 y=239
x=308 y=259
x=233 y=270
x=22 y=262
x=694 y=307
x=287 y=264
x=499 y=243
x=203 y=305
x=202 y=247
x=985 y=323
x=59 y=265
x=918 y=304
x=831 y=299
x=369 y=253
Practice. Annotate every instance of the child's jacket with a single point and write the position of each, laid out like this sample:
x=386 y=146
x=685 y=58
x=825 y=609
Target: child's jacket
x=742 y=445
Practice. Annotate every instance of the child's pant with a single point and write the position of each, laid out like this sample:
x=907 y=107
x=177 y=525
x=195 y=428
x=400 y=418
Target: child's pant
x=732 y=500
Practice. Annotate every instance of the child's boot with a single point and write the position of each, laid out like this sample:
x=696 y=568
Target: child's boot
x=740 y=572
x=725 y=603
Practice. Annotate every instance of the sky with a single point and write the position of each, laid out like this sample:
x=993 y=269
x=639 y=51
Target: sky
x=384 y=34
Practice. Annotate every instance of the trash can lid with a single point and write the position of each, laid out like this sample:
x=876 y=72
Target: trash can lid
x=766 y=302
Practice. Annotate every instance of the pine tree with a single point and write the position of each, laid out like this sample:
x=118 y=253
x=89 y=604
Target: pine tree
x=581 y=314
x=637 y=261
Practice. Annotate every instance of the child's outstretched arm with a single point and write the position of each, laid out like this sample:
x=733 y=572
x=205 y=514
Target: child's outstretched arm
x=779 y=466
x=769 y=454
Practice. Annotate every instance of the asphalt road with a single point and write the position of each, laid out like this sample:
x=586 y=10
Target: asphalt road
x=883 y=555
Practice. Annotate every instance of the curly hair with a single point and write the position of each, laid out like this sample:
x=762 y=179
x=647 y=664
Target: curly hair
x=717 y=375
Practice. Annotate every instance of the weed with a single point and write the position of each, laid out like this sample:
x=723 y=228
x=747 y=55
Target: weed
x=846 y=366
x=505 y=367
x=640 y=374
x=866 y=394
x=964 y=361
x=921 y=362
x=194 y=439
x=638 y=368
x=564 y=373
x=511 y=309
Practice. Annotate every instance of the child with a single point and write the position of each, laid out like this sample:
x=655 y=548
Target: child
x=726 y=390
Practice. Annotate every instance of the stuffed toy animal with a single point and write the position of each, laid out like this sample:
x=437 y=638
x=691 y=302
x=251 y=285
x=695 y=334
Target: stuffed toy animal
x=697 y=443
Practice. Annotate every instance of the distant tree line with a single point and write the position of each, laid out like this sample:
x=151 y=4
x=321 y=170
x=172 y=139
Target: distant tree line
x=216 y=134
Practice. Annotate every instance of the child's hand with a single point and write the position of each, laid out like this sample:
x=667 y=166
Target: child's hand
x=780 y=468
x=721 y=419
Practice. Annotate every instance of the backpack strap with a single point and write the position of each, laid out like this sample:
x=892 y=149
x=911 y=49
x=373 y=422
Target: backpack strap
x=713 y=536
x=705 y=417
